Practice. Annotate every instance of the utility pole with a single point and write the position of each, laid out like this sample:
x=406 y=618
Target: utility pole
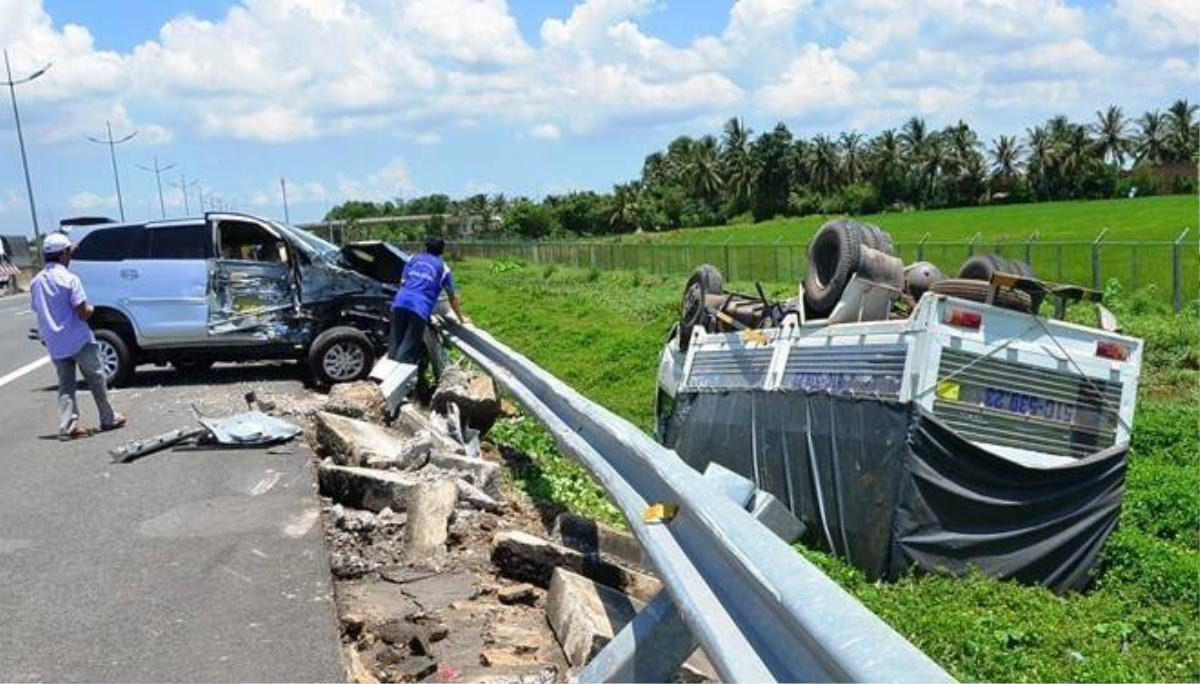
x=112 y=151
x=183 y=186
x=12 y=93
x=283 y=186
x=162 y=206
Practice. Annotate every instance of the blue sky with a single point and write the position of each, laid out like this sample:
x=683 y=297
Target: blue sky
x=381 y=98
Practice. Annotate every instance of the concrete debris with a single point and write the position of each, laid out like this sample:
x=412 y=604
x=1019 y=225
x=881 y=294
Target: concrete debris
x=522 y=556
x=361 y=399
x=525 y=594
x=367 y=488
x=359 y=674
x=483 y=474
x=585 y=615
x=396 y=381
x=429 y=509
x=352 y=442
x=473 y=497
x=473 y=393
x=411 y=420
x=588 y=536
x=348 y=565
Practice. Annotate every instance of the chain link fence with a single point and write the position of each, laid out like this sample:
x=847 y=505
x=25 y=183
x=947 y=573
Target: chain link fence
x=1171 y=268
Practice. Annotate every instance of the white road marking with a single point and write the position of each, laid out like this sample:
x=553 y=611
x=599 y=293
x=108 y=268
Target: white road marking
x=24 y=370
x=264 y=485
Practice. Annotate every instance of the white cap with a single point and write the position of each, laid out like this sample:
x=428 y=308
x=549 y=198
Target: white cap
x=55 y=243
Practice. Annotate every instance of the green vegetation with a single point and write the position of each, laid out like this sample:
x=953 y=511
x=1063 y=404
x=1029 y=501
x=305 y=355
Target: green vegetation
x=1142 y=219
x=601 y=332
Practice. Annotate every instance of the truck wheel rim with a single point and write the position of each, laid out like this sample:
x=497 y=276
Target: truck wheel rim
x=109 y=359
x=344 y=361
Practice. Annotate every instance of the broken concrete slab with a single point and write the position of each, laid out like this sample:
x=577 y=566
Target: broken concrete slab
x=396 y=380
x=588 y=536
x=475 y=395
x=473 y=497
x=522 y=556
x=367 y=488
x=429 y=509
x=584 y=614
x=410 y=420
x=361 y=399
x=352 y=442
x=483 y=474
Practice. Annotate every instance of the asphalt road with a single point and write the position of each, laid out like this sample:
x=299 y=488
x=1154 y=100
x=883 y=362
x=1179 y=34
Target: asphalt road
x=185 y=565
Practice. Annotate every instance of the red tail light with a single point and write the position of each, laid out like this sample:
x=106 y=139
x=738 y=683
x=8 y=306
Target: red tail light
x=965 y=318
x=1112 y=350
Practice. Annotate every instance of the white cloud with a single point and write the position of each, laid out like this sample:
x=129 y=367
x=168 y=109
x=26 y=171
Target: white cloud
x=388 y=183
x=815 y=81
x=87 y=200
x=11 y=200
x=1157 y=25
x=469 y=31
x=545 y=131
x=298 y=192
x=271 y=124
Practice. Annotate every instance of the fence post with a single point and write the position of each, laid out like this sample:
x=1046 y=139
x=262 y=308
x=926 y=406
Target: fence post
x=775 y=252
x=971 y=245
x=1029 y=247
x=1096 y=259
x=921 y=247
x=1176 y=271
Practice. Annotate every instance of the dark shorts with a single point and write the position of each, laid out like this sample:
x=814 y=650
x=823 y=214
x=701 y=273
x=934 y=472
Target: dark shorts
x=405 y=344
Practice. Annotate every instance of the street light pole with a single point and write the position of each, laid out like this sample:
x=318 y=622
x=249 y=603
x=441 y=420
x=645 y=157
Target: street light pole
x=162 y=206
x=12 y=93
x=283 y=186
x=112 y=151
x=183 y=186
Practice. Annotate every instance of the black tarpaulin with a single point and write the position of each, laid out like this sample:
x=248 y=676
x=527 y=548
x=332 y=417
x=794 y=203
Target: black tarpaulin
x=887 y=485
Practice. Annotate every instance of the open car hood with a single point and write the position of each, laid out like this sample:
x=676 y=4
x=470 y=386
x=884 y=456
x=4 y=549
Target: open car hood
x=376 y=259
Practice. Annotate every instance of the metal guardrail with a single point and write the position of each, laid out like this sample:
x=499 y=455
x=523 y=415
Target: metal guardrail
x=760 y=610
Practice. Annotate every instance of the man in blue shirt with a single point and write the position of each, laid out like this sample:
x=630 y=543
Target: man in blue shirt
x=424 y=278
x=62 y=310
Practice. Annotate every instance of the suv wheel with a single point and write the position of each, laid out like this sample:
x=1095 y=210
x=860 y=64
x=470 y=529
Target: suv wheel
x=341 y=354
x=115 y=360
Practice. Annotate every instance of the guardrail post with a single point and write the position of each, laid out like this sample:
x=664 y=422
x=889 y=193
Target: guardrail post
x=971 y=245
x=655 y=643
x=921 y=247
x=1029 y=247
x=1177 y=271
x=1096 y=259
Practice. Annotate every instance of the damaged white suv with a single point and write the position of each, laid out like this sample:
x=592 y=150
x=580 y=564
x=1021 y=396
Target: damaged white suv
x=233 y=287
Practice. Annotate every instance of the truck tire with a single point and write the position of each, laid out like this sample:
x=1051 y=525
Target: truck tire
x=115 y=360
x=341 y=354
x=977 y=291
x=982 y=266
x=878 y=238
x=1023 y=269
x=705 y=280
x=833 y=255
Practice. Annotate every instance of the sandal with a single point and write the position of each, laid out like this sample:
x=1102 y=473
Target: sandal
x=76 y=432
x=117 y=424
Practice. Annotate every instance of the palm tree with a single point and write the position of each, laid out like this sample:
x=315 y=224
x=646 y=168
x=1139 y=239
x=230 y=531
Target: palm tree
x=912 y=137
x=738 y=163
x=1152 y=138
x=626 y=207
x=704 y=169
x=853 y=161
x=1183 y=134
x=823 y=163
x=1006 y=160
x=1041 y=158
x=1109 y=129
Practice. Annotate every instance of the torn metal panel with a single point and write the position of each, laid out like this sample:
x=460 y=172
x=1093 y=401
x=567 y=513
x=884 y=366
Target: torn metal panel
x=252 y=297
x=249 y=428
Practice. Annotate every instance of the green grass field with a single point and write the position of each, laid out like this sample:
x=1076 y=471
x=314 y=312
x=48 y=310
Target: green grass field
x=1146 y=218
x=601 y=332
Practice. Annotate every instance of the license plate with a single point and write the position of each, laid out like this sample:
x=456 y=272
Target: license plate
x=1028 y=405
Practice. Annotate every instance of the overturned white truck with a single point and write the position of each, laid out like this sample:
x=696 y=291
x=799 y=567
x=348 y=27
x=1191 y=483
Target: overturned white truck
x=908 y=419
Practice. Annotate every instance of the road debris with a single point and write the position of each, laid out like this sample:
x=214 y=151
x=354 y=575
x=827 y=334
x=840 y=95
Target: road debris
x=252 y=428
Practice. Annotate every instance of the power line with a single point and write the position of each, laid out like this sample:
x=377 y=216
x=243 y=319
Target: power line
x=162 y=207
x=112 y=151
x=12 y=93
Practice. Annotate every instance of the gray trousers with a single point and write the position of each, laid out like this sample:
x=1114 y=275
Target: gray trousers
x=88 y=361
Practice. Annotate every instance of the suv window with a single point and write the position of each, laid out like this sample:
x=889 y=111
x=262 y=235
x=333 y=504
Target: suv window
x=180 y=242
x=246 y=241
x=112 y=244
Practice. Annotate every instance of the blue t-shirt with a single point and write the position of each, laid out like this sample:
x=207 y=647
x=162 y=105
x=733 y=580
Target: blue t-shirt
x=425 y=276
